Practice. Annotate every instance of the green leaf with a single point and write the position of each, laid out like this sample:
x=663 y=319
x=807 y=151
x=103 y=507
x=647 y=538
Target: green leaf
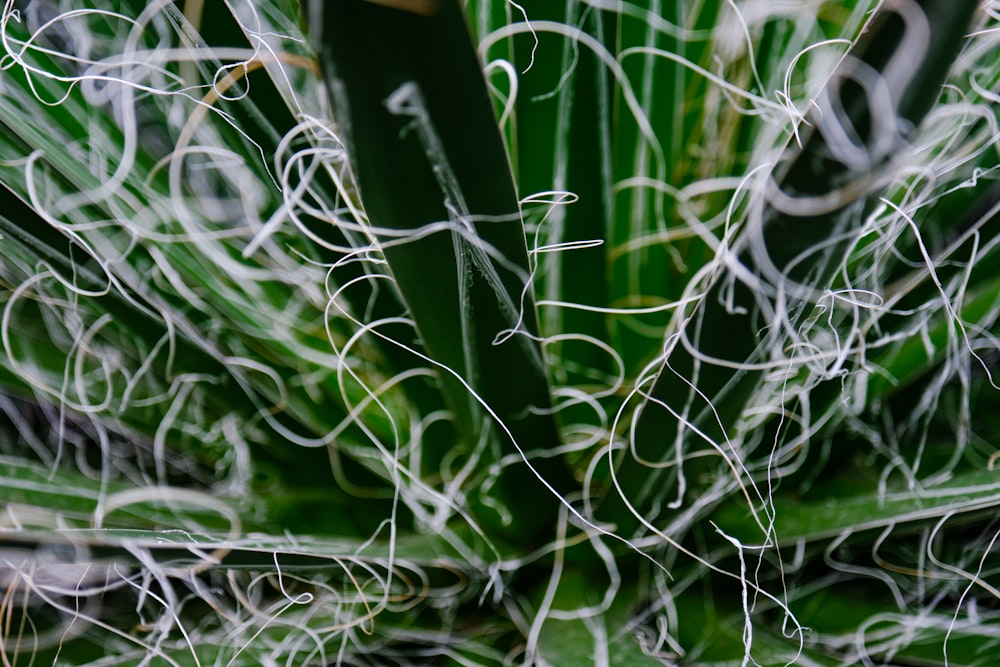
x=797 y=519
x=430 y=165
x=975 y=306
x=792 y=243
x=605 y=637
x=171 y=304
x=560 y=126
x=860 y=621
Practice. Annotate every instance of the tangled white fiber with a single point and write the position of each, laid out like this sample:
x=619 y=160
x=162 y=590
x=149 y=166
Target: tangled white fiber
x=225 y=440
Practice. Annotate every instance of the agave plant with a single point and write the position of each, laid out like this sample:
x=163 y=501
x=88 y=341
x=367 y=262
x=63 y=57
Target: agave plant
x=413 y=332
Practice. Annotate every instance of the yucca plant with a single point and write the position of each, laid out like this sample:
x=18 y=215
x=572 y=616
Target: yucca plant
x=419 y=332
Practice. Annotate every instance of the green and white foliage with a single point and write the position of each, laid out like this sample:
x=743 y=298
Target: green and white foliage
x=427 y=332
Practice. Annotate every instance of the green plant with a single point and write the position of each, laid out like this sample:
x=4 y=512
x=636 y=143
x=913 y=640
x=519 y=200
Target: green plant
x=668 y=341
